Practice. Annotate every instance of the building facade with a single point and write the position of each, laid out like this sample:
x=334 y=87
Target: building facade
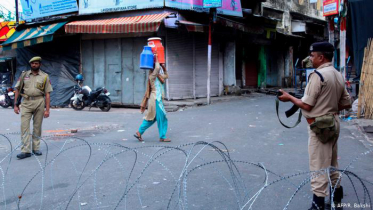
x=254 y=45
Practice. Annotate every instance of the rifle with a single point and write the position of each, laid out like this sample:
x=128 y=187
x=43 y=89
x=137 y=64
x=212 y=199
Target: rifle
x=294 y=108
x=291 y=111
x=21 y=92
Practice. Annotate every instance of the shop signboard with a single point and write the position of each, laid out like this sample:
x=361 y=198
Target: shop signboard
x=212 y=3
x=331 y=7
x=225 y=7
x=105 y=6
x=228 y=7
x=33 y=9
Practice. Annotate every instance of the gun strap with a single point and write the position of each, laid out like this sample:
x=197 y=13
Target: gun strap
x=278 y=116
x=21 y=85
x=300 y=112
x=45 y=81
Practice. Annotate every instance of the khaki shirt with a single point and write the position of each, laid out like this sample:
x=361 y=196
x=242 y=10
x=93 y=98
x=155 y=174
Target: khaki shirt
x=34 y=84
x=325 y=96
x=307 y=63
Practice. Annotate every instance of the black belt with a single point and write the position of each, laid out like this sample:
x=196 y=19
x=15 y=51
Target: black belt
x=33 y=97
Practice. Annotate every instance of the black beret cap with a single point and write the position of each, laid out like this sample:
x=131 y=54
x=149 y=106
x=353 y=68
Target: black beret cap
x=322 y=47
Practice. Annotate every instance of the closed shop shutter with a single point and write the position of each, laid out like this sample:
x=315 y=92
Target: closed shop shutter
x=179 y=49
x=140 y=76
x=251 y=65
x=229 y=64
x=101 y=62
x=201 y=42
x=114 y=64
x=133 y=78
x=87 y=62
x=113 y=69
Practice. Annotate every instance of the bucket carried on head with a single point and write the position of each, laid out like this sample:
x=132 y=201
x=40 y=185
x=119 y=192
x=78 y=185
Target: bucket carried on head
x=156 y=44
x=147 y=58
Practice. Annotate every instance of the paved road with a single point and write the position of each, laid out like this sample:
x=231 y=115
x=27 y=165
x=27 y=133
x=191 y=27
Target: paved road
x=105 y=162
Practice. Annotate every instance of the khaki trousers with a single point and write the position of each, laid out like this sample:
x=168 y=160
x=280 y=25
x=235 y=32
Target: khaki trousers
x=31 y=109
x=322 y=156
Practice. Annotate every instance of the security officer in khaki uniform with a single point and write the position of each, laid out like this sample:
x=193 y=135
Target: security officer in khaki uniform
x=324 y=97
x=35 y=87
x=307 y=63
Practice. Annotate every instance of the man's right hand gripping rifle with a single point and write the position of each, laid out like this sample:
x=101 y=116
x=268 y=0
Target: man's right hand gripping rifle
x=286 y=97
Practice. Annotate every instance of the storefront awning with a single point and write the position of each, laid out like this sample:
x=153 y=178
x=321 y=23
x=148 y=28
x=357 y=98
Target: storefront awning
x=137 y=24
x=32 y=36
x=192 y=26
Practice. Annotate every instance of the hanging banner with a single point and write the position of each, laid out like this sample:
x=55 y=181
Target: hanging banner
x=212 y=3
x=42 y=8
x=331 y=7
x=229 y=7
x=104 y=6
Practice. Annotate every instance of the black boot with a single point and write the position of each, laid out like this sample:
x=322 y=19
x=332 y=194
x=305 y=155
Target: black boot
x=318 y=203
x=337 y=199
x=37 y=152
x=23 y=155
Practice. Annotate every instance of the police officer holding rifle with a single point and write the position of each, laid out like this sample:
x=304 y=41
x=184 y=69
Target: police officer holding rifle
x=324 y=97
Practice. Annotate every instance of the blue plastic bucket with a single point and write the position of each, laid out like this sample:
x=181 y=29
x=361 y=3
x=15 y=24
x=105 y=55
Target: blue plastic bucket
x=147 y=58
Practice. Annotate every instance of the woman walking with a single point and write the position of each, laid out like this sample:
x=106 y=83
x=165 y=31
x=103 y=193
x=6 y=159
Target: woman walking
x=153 y=100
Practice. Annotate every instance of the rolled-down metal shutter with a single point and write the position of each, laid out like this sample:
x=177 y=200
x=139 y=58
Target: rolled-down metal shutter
x=179 y=51
x=201 y=42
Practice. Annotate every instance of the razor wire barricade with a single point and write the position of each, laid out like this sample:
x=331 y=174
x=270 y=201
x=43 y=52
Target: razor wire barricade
x=77 y=174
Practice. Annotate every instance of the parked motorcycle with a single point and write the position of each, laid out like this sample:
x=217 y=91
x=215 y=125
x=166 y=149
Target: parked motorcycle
x=84 y=96
x=7 y=97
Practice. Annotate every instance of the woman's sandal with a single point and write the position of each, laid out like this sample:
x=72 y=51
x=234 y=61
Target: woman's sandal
x=138 y=136
x=164 y=140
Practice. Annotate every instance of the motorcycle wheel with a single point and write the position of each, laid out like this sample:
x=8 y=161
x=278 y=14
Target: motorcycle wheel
x=75 y=107
x=106 y=108
x=4 y=105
